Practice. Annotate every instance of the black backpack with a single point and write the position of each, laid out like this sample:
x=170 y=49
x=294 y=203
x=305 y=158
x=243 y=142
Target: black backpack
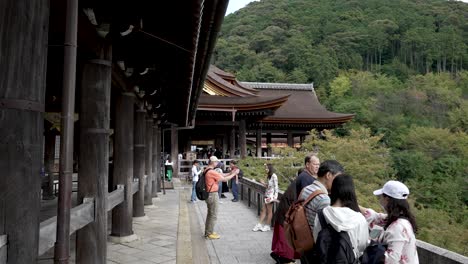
x=200 y=187
x=374 y=253
x=333 y=246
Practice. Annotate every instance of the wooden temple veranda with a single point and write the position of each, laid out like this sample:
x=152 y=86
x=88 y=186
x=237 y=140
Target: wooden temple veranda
x=231 y=113
x=114 y=73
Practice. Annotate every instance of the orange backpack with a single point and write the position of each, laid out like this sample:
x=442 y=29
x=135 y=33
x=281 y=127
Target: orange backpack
x=296 y=226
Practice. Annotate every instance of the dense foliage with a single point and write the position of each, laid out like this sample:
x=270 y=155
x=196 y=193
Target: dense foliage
x=311 y=40
x=400 y=66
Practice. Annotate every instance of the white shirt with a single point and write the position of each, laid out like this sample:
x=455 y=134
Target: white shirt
x=195 y=173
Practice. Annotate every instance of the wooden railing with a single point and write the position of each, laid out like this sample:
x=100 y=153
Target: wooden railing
x=185 y=166
x=251 y=192
x=80 y=216
x=3 y=248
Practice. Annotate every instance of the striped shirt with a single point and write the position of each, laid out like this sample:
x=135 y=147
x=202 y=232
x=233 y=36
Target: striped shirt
x=319 y=202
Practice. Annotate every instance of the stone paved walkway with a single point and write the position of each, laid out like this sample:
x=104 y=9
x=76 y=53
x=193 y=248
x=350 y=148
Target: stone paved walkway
x=173 y=233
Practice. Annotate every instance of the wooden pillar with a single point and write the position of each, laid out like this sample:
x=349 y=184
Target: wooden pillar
x=232 y=147
x=49 y=158
x=175 y=150
x=259 y=143
x=149 y=162
x=242 y=139
x=154 y=182
x=123 y=167
x=23 y=38
x=139 y=162
x=158 y=159
x=91 y=240
x=290 y=139
x=225 y=144
x=268 y=141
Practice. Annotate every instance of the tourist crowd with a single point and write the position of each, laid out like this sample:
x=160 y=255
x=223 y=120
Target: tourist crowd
x=335 y=219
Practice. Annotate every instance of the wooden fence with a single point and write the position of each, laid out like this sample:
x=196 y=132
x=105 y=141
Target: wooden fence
x=80 y=216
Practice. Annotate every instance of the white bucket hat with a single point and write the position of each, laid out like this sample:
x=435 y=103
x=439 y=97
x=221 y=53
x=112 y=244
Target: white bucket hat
x=394 y=189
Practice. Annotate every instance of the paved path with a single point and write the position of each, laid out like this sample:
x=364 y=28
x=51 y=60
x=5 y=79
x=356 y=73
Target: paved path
x=173 y=233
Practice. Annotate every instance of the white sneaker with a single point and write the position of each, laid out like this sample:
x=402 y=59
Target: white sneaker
x=265 y=228
x=257 y=227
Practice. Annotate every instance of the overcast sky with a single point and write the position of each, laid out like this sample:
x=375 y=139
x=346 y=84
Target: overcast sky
x=235 y=5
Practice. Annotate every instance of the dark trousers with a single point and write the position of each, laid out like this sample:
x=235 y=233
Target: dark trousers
x=234 y=188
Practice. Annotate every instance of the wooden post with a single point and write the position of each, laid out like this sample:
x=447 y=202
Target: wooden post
x=149 y=162
x=268 y=141
x=154 y=182
x=175 y=150
x=259 y=143
x=49 y=158
x=225 y=144
x=139 y=162
x=157 y=159
x=232 y=147
x=91 y=240
x=242 y=139
x=23 y=34
x=290 y=139
x=123 y=167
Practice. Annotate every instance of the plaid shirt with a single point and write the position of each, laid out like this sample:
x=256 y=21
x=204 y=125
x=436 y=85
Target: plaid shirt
x=319 y=202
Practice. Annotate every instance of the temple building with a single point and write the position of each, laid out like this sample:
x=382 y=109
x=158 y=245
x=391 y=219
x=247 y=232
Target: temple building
x=230 y=114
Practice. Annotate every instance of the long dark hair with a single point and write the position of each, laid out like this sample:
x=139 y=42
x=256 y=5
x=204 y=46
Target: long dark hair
x=343 y=189
x=399 y=208
x=271 y=170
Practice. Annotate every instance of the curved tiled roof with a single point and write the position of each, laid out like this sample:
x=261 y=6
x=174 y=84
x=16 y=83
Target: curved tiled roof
x=242 y=103
x=294 y=103
x=302 y=105
x=223 y=83
x=281 y=86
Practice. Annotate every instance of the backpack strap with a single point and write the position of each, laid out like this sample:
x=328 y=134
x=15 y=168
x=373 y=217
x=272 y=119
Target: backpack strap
x=323 y=222
x=311 y=196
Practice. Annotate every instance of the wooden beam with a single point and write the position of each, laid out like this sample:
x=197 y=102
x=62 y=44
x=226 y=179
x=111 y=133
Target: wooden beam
x=3 y=249
x=80 y=216
x=49 y=159
x=149 y=161
x=242 y=139
x=157 y=158
x=24 y=37
x=216 y=123
x=115 y=198
x=259 y=143
x=123 y=167
x=232 y=145
x=268 y=141
x=91 y=241
x=135 y=186
x=139 y=162
x=290 y=139
x=175 y=150
x=154 y=182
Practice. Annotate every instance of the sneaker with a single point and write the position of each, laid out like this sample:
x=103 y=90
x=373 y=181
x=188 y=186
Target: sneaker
x=257 y=227
x=223 y=196
x=234 y=200
x=213 y=236
x=220 y=202
x=265 y=228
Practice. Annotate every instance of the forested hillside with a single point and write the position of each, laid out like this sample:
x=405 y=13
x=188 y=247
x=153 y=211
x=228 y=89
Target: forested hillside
x=311 y=40
x=400 y=66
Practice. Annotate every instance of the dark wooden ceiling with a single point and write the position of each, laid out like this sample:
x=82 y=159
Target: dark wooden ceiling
x=171 y=40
